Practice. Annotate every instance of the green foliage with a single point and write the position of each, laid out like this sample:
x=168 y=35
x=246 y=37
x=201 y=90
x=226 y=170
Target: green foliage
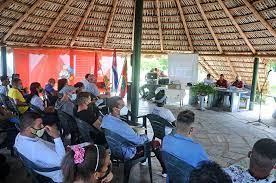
x=202 y=89
x=149 y=63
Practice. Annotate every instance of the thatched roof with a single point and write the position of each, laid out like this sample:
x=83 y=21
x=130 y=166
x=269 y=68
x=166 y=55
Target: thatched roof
x=202 y=26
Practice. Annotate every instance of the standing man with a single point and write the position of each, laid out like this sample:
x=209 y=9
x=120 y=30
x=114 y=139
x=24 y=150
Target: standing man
x=4 y=87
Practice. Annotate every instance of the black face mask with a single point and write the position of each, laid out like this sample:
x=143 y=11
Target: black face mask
x=107 y=172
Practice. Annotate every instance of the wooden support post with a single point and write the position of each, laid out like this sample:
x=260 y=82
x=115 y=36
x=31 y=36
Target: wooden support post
x=254 y=83
x=136 y=59
x=4 y=60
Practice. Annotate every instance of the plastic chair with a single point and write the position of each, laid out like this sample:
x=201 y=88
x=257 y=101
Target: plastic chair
x=116 y=144
x=178 y=170
x=36 y=109
x=158 y=125
x=32 y=169
x=68 y=126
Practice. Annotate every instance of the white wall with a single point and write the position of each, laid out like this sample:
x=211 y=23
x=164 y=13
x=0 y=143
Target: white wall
x=183 y=68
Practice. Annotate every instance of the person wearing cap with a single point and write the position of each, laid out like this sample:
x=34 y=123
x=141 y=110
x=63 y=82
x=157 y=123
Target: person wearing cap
x=42 y=153
x=4 y=85
x=160 y=110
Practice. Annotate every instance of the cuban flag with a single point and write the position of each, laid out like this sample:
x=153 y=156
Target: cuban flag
x=115 y=73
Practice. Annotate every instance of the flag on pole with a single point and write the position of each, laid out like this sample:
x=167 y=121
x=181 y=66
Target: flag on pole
x=124 y=80
x=115 y=73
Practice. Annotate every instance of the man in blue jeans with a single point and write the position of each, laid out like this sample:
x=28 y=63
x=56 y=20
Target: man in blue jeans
x=181 y=144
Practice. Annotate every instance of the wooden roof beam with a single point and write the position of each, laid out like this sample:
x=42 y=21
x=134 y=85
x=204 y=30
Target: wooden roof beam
x=111 y=16
x=237 y=26
x=233 y=70
x=5 y=4
x=61 y=13
x=88 y=10
x=209 y=68
x=185 y=25
x=159 y=24
x=18 y=23
x=209 y=26
x=260 y=18
x=133 y=28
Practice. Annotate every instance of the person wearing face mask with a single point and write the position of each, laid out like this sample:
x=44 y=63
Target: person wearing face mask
x=181 y=145
x=35 y=99
x=113 y=123
x=42 y=153
x=16 y=95
x=89 y=164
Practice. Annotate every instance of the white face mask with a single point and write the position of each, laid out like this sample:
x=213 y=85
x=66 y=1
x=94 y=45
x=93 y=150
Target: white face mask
x=124 y=111
x=73 y=97
x=39 y=133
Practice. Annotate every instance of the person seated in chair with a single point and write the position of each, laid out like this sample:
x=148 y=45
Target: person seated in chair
x=16 y=95
x=262 y=161
x=160 y=110
x=89 y=164
x=35 y=99
x=42 y=153
x=7 y=115
x=80 y=87
x=209 y=172
x=88 y=112
x=4 y=85
x=238 y=83
x=50 y=92
x=181 y=144
x=222 y=82
x=113 y=123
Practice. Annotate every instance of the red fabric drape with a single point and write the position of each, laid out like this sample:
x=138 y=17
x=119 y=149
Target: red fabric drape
x=41 y=64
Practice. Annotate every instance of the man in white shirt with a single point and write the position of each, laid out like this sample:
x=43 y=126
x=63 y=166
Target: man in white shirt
x=43 y=153
x=209 y=80
x=4 y=86
x=262 y=161
x=160 y=110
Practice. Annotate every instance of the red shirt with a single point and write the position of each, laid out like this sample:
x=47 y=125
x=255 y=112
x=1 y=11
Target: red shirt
x=238 y=84
x=222 y=83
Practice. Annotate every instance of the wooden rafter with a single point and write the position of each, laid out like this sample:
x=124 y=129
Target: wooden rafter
x=88 y=10
x=259 y=17
x=159 y=24
x=185 y=25
x=18 y=23
x=133 y=27
x=233 y=70
x=208 y=25
x=61 y=13
x=237 y=26
x=5 y=4
x=209 y=68
x=111 y=16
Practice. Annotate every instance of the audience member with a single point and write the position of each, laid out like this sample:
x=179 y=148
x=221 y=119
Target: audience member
x=15 y=76
x=238 y=83
x=17 y=96
x=7 y=115
x=222 y=82
x=91 y=87
x=262 y=161
x=35 y=99
x=160 y=110
x=4 y=85
x=89 y=164
x=49 y=88
x=61 y=83
x=209 y=172
x=65 y=103
x=4 y=168
x=42 y=153
x=80 y=87
x=181 y=144
x=113 y=123
x=209 y=80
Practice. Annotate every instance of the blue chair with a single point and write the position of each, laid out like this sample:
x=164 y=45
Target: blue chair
x=158 y=125
x=32 y=169
x=178 y=170
x=116 y=144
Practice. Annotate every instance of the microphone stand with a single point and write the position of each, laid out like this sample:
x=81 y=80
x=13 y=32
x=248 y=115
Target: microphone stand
x=259 y=121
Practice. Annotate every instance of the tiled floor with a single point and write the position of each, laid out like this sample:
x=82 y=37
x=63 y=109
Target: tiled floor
x=226 y=137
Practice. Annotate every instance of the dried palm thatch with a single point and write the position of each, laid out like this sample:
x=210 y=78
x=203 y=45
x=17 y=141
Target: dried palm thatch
x=207 y=27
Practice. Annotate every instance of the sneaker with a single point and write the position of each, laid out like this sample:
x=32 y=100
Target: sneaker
x=144 y=163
